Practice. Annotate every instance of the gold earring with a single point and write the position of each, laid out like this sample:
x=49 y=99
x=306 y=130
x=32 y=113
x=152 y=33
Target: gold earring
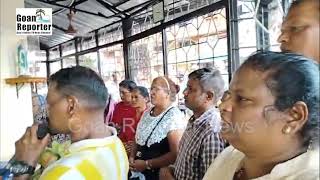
x=286 y=130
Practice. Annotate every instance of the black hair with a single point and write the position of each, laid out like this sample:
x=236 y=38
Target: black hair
x=128 y=84
x=210 y=80
x=83 y=83
x=291 y=78
x=143 y=91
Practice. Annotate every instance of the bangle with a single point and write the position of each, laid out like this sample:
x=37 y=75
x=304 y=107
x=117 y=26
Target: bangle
x=148 y=165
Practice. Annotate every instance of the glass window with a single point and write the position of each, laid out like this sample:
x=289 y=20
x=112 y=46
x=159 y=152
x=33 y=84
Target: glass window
x=88 y=42
x=146 y=59
x=69 y=62
x=54 y=53
x=197 y=43
x=68 y=48
x=89 y=60
x=55 y=66
x=112 y=68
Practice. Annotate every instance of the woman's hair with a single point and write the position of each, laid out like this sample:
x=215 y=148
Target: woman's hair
x=291 y=78
x=143 y=91
x=128 y=84
x=167 y=83
x=210 y=80
x=83 y=83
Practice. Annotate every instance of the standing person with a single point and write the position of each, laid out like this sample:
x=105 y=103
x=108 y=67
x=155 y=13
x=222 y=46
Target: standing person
x=201 y=142
x=140 y=100
x=159 y=131
x=270 y=117
x=300 y=29
x=76 y=101
x=124 y=115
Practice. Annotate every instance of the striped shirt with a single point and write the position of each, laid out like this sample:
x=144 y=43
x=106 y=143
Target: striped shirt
x=98 y=159
x=199 y=145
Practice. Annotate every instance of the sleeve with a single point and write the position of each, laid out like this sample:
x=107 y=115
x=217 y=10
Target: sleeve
x=176 y=121
x=60 y=172
x=211 y=146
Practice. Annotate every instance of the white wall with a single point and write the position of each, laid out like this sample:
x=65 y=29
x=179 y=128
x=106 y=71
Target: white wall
x=15 y=113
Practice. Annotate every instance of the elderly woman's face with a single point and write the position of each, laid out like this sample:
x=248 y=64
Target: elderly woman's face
x=57 y=106
x=158 y=93
x=250 y=123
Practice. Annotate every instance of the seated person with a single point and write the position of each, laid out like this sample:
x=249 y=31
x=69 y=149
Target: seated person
x=76 y=101
x=270 y=117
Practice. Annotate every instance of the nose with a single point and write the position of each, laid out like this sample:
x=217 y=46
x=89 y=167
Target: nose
x=283 y=38
x=185 y=92
x=225 y=105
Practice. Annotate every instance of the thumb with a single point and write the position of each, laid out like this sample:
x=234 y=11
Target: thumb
x=45 y=141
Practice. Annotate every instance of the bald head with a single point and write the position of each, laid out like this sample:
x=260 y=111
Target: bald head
x=300 y=29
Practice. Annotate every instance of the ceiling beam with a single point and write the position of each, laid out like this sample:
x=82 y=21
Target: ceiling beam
x=113 y=9
x=75 y=9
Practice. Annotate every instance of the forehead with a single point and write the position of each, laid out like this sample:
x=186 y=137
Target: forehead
x=52 y=90
x=250 y=82
x=194 y=83
x=303 y=13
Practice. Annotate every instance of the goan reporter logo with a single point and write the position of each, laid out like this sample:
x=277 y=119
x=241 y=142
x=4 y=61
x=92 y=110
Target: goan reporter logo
x=33 y=21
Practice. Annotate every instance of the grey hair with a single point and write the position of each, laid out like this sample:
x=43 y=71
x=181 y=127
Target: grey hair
x=210 y=80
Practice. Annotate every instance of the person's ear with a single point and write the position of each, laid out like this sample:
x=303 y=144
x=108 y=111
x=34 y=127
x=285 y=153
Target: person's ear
x=210 y=95
x=73 y=104
x=297 y=117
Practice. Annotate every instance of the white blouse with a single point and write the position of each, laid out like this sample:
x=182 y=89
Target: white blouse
x=304 y=166
x=173 y=120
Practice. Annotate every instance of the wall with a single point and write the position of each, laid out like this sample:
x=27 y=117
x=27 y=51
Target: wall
x=15 y=113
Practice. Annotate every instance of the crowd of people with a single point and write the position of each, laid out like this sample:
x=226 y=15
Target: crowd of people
x=265 y=126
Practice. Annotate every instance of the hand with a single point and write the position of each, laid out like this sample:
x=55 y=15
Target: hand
x=131 y=161
x=138 y=165
x=29 y=147
x=166 y=173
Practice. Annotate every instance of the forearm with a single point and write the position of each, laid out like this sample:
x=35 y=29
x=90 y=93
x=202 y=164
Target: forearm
x=22 y=177
x=133 y=150
x=164 y=160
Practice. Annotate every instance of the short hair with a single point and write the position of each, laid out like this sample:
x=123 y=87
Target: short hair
x=143 y=91
x=296 y=3
x=83 y=83
x=128 y=84
x=291 y=78
x=210 y=80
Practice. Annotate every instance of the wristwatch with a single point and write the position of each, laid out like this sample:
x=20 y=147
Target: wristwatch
x=18 y=168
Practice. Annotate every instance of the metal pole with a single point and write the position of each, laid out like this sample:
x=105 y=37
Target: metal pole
x=165 y=52
x=98 y=52
x=126 y=30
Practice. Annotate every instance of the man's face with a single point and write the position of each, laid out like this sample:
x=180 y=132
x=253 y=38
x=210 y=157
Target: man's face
x=300 y=30
x=125 y=95
x=57 y=107
x=194 y=96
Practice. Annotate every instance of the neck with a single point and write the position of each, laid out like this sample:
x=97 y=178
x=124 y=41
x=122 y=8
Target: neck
x=257 y=165
x=158 y=109
x=92 y=128
x=199 y=111
x=141 y=109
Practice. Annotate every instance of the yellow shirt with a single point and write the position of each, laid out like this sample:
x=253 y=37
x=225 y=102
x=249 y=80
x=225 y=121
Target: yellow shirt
x=91 y=159
x=304 y=166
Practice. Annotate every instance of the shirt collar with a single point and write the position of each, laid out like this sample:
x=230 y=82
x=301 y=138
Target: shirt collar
x=92 y=143
x=210 y=114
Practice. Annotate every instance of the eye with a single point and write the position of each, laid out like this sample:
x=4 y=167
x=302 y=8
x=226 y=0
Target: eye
x=242 y=99
x=297 y=28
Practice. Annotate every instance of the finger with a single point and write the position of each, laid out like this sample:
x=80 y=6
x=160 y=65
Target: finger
x=46 y=140
x=34 y=129
x=26 y=137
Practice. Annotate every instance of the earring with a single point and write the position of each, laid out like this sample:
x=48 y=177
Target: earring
x=286 y=130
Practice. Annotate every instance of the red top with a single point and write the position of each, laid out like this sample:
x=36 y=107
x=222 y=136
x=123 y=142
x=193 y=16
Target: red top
x=125 y=119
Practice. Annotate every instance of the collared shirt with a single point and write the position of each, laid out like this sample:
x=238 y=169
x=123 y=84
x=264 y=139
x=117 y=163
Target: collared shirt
x=199 y=145
x=304 y=166
x=98 y=159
